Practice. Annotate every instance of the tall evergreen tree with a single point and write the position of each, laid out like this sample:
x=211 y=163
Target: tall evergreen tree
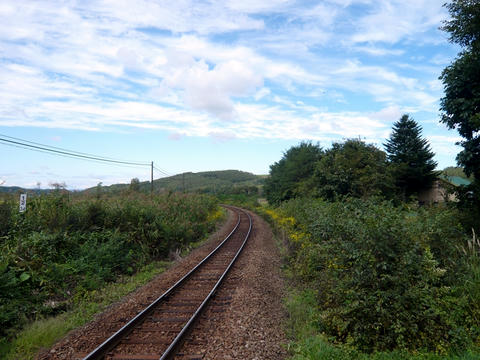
x=410 y=157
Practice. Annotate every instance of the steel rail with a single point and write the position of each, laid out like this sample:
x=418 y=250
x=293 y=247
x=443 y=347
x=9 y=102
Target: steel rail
x=102 y=350
x=178 y=339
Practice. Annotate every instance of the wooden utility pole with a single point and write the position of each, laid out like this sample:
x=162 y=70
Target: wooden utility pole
x=151 y=179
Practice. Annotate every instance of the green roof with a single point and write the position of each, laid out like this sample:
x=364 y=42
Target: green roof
x=456 y=180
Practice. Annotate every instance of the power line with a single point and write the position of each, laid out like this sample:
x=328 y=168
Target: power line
x=70 y=153
x=65 y=150
x=33 y=146
x=163 y=172
x=67 y=156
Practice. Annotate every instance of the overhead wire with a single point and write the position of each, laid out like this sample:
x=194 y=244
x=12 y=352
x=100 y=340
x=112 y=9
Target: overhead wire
x=67 y=156
x=33 y=146
x=70 y=153
x=67 y=150
x=163 y=172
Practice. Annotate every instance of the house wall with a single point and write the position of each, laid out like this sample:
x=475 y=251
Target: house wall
x=436 y=194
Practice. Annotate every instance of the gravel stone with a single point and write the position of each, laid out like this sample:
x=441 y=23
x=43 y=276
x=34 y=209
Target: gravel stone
x=246 y=322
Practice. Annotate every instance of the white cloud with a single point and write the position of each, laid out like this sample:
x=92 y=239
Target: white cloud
x=389 y=114
x=178 y=16
x=441 y=59
x=129 y=58
x=378 y=51
x=157 y=65
x=394 y=20
x=444 y=146
x=264 y=91
x=222 y=136
x=212 y=89
x=175 y=136
x=256 y=6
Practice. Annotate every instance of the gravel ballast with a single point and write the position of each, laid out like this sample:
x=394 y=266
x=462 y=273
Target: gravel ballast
x=247 y=326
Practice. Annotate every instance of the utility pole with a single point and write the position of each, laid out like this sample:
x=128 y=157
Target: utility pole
x=151 y=180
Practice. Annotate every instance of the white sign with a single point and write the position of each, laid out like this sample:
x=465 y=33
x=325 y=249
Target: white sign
x=23 y=202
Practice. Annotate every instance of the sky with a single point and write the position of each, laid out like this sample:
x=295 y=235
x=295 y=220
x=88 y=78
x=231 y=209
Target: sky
x=198 y=85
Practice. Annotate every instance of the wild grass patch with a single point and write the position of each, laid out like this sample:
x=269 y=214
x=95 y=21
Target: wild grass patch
x=375 y=281
x=44 y=332
x=65 y=247
x=308 y=343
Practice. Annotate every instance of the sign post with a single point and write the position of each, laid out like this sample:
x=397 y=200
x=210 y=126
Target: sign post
x=23 y=202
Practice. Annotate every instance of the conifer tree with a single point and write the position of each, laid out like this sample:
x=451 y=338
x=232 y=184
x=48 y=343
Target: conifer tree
x=410 y=157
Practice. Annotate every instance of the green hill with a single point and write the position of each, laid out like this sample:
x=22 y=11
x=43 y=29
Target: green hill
x=18 y=189
x=215 y=182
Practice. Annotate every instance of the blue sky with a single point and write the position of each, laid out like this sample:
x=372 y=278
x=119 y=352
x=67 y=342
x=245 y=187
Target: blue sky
x=211 y=85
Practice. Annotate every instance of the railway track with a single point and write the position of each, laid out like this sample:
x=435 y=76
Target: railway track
x=158 y=331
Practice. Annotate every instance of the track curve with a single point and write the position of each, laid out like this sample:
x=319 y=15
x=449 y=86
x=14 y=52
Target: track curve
x=158 y=330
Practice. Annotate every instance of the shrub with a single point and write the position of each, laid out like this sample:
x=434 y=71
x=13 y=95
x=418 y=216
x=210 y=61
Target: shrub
x=384 y=276
x=6 y=216
x=67 y=244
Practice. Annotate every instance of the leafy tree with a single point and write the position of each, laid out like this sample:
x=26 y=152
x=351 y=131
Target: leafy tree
x=290 y=176
x=135 y=185
x=461 y=80
x=58 y=185
x=99 y=190
x=411 y=157
x=461 y=108
x=352 y=168
x=461 y=104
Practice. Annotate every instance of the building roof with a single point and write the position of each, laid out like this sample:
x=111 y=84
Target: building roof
x=456 y=180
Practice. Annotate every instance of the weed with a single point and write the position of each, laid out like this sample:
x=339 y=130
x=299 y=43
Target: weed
x=65 y=246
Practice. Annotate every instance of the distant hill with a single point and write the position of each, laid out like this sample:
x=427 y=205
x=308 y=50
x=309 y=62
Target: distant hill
x=224 y=181
x=18 y=189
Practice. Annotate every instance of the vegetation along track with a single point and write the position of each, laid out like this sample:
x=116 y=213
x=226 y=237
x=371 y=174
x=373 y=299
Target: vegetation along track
x=158 y=331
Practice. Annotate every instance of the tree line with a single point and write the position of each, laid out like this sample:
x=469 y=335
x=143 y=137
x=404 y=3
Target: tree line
x=356 y=169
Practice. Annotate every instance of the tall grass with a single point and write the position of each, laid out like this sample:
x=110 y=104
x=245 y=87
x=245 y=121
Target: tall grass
x=308 y=343
x=65 y=246
x=471 y=285
x=44 y=332
x=375 y=280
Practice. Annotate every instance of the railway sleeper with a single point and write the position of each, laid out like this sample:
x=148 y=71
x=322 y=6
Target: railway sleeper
x=188 y=356
x=168 y=319
x=134 y=357
x=147 y=341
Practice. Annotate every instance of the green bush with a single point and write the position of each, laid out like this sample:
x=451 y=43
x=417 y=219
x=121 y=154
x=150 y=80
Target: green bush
x=385 y=277
x=309 y=344
x=6 y=216
x=65 y=245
